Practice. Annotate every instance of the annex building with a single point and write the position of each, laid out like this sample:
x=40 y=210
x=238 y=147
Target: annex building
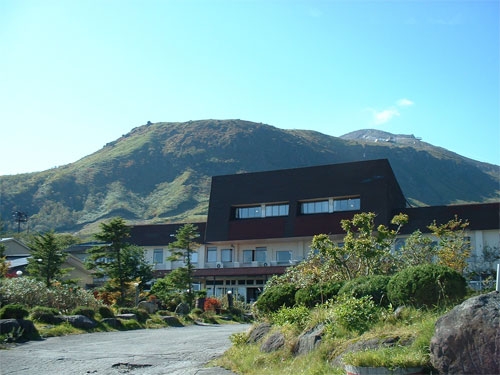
x=261 y=223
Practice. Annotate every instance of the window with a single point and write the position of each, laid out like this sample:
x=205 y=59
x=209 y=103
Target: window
x=315 y=207
x=194 y=257
x=248 y=212
x=211 y=254
x=257 y=255
x=227 y=255
x=276 y=210
x=351 y=204
x=158 y=256
x=262 y=210
x=283 y=257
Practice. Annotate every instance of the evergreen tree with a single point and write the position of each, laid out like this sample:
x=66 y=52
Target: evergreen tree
x=182 y=249
x=47 y=257
x=117 y=259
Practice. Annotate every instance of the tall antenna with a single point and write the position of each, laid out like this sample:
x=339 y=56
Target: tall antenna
x=20 y=217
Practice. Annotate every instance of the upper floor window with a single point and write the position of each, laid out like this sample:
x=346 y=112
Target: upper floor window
x=158 y=256
x=211 y=254
x=330 y=205
x=262 y=210
x=226 y=255
x=257 y=255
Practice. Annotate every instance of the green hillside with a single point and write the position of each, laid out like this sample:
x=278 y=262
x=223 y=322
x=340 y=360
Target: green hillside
x=161 y=172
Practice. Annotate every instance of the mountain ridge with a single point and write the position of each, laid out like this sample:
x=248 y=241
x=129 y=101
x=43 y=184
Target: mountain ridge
x=161 y=172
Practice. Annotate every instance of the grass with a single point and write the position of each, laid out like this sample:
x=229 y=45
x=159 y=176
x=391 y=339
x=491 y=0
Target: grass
x=413 y=326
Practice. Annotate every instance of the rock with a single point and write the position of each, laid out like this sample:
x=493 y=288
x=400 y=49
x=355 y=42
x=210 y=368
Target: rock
x=80 y=321
x=309 y=340
x=18 y=329
x=258 y=332
x=467 y=339
x=274 y=342
x=182 y=309
x=150 y=307
x=172 y=321
x=128 y=316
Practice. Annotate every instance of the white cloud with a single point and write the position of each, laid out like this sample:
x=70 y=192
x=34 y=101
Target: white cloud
x=381 y=117
x=404 y=102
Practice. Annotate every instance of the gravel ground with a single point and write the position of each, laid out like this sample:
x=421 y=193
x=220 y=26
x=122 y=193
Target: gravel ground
x=176 y=351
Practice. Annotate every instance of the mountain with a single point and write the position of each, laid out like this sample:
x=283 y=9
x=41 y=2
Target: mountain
x=162 y=172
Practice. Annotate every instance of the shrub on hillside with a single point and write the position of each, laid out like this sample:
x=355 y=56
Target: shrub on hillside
x=374 y=286
x=426 y=285
x=354 y=314
x=44 y=314
x=291 y=315
x=141 y=314
x=85 y=311
x=13 y=311
x=275 y=297
x=106 y=312
x=315 y=294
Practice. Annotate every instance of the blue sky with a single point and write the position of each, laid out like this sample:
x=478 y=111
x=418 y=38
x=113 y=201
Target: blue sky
x=78 y=74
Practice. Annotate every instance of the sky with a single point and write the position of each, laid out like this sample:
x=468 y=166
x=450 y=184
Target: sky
x=75 y=75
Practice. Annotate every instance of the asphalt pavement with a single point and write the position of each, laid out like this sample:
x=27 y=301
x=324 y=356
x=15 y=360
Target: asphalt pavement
x=173 y=351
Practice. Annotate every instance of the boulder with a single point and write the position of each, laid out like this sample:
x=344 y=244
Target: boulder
x=258 y=332
x=467 y=339
x=112 y=322
x=182 y=309
x=274 y=342
x=150 y=307
x=127 y=316
x=172 y=321
x=17 y=329
x=309 y=340
x=80 y=321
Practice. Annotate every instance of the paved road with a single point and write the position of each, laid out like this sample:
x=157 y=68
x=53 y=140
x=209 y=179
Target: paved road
x=176 y=351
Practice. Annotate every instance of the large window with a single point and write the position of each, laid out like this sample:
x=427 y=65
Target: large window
x=351 y=204
x=283 y=257
x=211 y=254
x=262 y=210
x=226 y=255
x=158 y=256
x=315 y=207
x=257 y=255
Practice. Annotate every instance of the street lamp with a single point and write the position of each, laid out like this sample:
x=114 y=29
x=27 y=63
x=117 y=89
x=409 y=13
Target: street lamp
x=136 y=285
x=19 y=273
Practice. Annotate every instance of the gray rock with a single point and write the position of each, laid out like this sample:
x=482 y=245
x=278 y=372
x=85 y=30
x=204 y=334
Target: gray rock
x=309 y=340
x=182 y=309
x=18 y=328
x=127 y=316
x=80 y=321
x=172 y=321
x=274 y=342
x=8 y=326
x=112 y=322
x=150 y=307
x=258 y=332
x=467 y=339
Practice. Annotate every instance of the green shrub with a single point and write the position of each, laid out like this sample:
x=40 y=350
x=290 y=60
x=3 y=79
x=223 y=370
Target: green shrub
x=354 y=314
x=84 y=310
x=276 y=296
x=374 y=286
x=13 y=311
x=291 y=315
x=426 y=285
x=106 y=312
x=315 y=294
x=44 y=314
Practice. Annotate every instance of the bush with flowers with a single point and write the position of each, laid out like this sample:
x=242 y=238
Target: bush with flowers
x=212 y=304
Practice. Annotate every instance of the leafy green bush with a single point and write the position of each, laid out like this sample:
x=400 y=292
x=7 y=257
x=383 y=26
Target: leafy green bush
x=44 y=314
x=13 y=311
x=291 y=315
x=276 y=296
x=84 y=310
x=315 y=294
x=106 y=312
x=426 y=285
x=354 y=314
x=374 y=286
x=30 y=293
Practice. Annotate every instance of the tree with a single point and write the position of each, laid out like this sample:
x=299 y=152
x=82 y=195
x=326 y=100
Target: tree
x=47 y=257
x=453 y=244
x=418 y=249
x=4 y=265
x=182 y=249
x=365 y=250
x=117 y=259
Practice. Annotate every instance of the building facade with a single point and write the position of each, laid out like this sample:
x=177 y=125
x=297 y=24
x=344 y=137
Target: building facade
x=261 y=223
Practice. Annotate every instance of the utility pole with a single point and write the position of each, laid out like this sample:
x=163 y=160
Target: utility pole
x=20 y=217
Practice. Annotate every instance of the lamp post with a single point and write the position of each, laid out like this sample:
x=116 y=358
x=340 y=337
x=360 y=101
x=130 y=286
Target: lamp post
x=136 y=285
x=19 y=273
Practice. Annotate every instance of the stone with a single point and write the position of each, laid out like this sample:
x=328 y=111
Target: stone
x=150 y=307
x=467 y=339
x=258 y=332
x=172 y=321
x=112 y=322
x=127 y=316
x=182 y=309
x=274 y=342
x=18 y=329
x=80 y=321
x=309 y=340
